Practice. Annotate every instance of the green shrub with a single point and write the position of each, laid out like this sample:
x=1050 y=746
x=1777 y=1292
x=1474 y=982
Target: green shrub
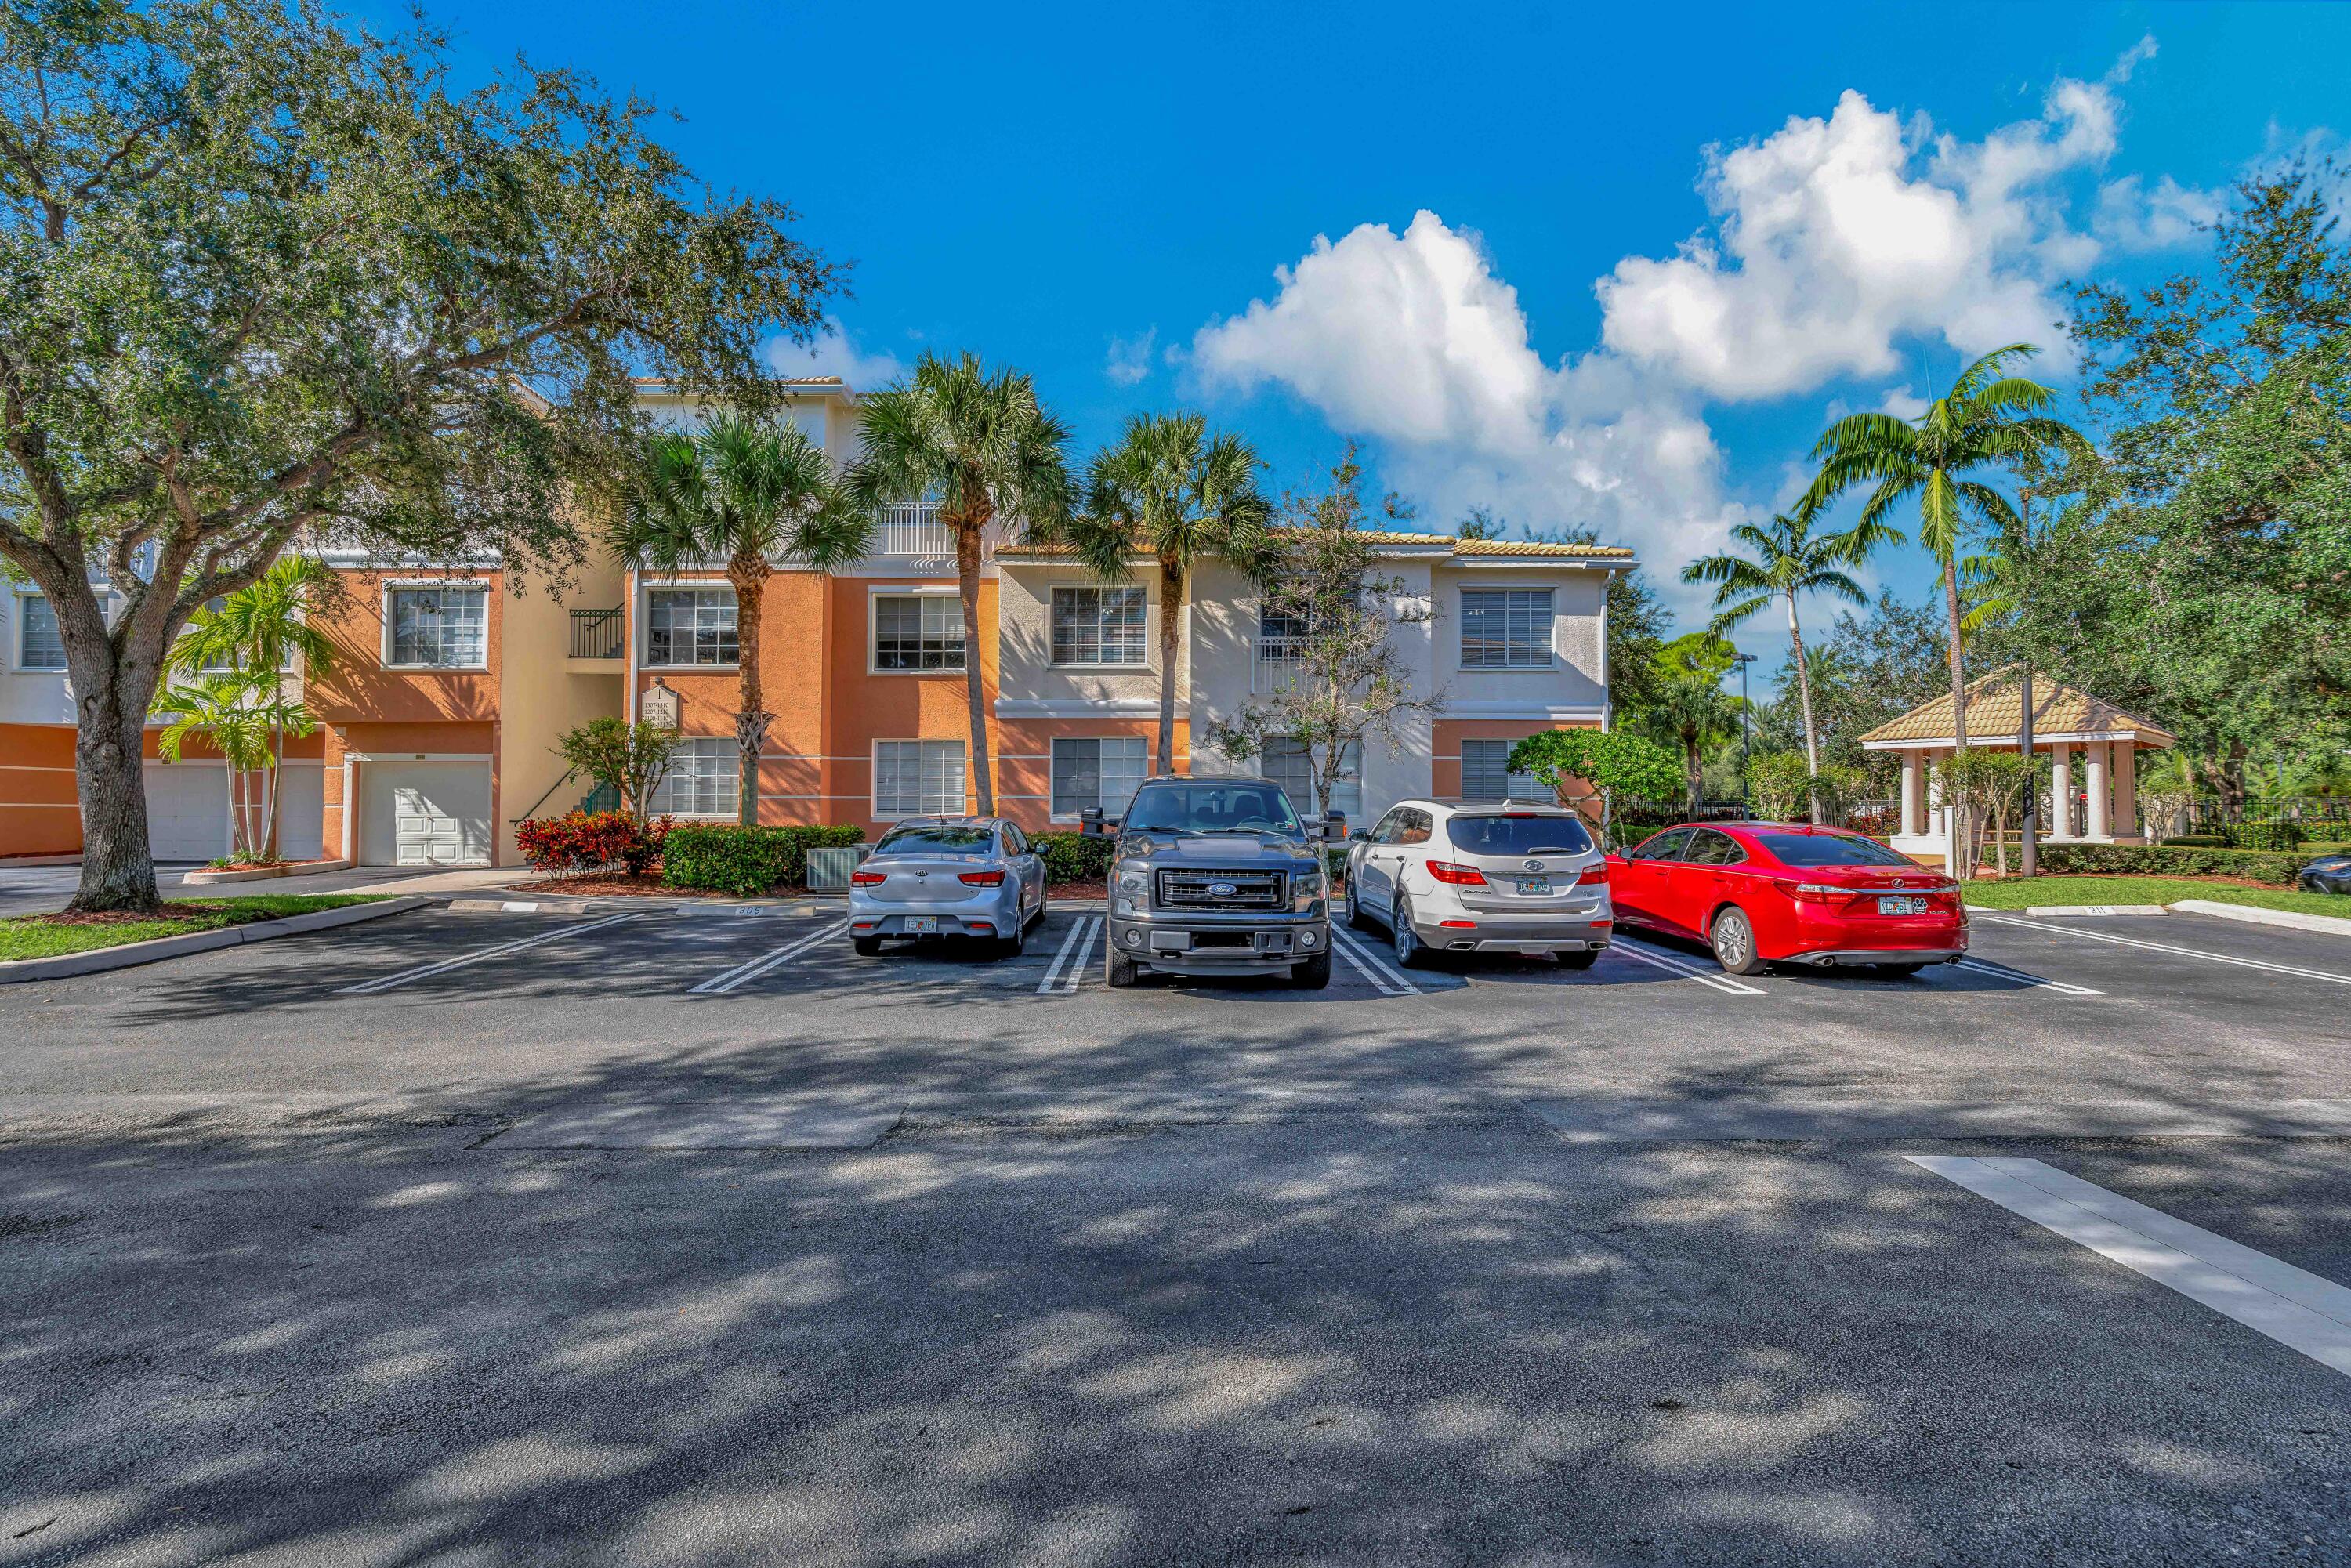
x=2255 y=865
x=1074 y=857
x=2278 y=835
x=726 y=857
x=2199 y=841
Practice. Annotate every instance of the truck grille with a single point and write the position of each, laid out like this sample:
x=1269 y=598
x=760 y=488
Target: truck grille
x=1251 y=889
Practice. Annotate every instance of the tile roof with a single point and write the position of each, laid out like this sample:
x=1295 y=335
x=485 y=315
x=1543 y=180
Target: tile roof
x=1456 y=547
x=1996 y=712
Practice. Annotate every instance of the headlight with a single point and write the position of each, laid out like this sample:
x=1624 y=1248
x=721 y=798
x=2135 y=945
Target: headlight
x=1132 y=879
x=1308 y=881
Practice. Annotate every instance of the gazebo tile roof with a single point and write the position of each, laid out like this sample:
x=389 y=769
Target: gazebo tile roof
x=1996 y=712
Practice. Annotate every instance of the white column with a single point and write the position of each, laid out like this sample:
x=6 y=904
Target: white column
x=1934 y=824
x=2061 y=790
x=2126 y=789
x=2098 y=828
x=1914 y=792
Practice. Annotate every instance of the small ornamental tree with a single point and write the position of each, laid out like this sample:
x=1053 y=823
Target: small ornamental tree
x=269 y=274
x=630 y=759
x=1611 y=764
x=1779 y=785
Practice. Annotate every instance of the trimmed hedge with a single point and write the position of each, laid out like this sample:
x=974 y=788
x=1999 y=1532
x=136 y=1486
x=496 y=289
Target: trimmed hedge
x=1074 y=857
x=2255 y=865
x=726 y=857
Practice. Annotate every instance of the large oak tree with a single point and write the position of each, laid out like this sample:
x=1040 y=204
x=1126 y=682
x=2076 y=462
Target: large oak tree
x=266 y=274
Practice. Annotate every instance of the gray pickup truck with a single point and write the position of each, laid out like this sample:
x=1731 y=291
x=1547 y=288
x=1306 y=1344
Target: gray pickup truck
x=1218 y=876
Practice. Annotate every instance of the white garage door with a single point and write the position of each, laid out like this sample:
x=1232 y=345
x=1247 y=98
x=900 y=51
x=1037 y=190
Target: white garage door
x=301 y=809
x=425 y=813
x=187 y=810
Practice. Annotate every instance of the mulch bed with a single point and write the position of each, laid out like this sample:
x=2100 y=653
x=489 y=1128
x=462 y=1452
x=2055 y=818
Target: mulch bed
x=169 y=911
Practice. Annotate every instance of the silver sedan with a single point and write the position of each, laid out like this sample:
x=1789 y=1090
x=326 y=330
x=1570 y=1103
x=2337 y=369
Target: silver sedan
x=948 y=876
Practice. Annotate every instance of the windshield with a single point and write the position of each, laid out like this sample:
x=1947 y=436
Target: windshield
x=1519 y=835
x=1830 y=849
x=936 y=840
x=1211 y=807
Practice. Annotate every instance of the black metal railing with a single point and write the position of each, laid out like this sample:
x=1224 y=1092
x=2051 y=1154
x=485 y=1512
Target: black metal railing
x=596 y=633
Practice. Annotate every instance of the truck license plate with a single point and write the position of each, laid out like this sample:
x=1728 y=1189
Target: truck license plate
x=922 y=925
x=1901 y=906
x=1534 y=887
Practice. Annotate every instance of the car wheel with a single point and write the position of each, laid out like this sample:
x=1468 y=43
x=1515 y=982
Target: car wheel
x=1315 y=974
x=867 y=947
x=1411 y=952
x=1578 y=960
x=1010 y=946
x=1120 y=972
x=1356 y=919
x=1734 y=944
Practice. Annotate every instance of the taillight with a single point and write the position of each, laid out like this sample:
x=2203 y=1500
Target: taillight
x=980 y=878
x=1822 y=892
x=1457 y=874
x=1594 y=875
x=869 y=878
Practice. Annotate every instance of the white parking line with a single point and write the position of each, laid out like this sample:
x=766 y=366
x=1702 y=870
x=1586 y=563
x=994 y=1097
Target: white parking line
x=2168 y=948
x=1687 y=971
x=425 y=971
x=1051 y=983
x=1068 y=970
x=2297 y=1309
x=1385 y=977
x=750 y=969
x=2003 y=972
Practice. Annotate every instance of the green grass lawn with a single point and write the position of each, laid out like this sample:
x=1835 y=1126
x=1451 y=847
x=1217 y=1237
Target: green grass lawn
x=2019 y=892
x=46 y=936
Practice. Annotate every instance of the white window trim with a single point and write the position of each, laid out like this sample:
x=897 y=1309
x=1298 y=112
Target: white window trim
x=1053 y=815
x=873 y=773
x=1147 y=664
x=405 y=584
x=16 y=643
x=645 y=634
x=875 y=594
x=1551 y=660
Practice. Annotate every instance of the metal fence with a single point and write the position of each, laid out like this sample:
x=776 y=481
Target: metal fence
x=915 y=530
x=596 y=633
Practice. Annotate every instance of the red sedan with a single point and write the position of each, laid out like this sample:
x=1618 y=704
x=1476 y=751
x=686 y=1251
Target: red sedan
x=1765 y=892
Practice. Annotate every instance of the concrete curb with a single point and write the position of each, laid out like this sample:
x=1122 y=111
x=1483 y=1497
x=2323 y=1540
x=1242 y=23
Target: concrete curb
x=263 y=873
x=543 y=903
x=132 y=954
x=2050 y=910
x=2331 y=924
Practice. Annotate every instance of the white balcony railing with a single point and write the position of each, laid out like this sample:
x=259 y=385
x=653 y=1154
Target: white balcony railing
x=1277 y=664
x=915 y=530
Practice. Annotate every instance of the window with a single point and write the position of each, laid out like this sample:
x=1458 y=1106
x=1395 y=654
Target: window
x=690 y=626
x=1288 y=765
x=918 y=779
x=1281 y=647
x=1385 y=833
x=1830 y=849
x=917 y=631
x=705 y=779
x=1505 y=629
x=1665 y=846
x=1099 y=626
x=1534 y=833
x=1415 y=827
x=939 y=838
x=1486 y=776
x=40 y=646
x=1707 y=847
x=440 y=628
x=1090 y=773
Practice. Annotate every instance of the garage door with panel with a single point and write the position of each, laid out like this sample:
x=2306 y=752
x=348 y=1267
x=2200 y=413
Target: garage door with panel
x=425 y=814
x=187 y=810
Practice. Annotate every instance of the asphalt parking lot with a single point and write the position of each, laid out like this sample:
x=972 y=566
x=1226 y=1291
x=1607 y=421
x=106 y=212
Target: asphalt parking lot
x=646 y=1237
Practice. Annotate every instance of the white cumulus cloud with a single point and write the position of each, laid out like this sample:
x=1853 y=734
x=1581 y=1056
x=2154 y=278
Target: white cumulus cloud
x=834 y=353
x=1129 y=359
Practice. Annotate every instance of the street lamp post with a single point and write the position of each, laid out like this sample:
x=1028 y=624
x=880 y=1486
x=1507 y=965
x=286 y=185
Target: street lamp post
x=1742 y=661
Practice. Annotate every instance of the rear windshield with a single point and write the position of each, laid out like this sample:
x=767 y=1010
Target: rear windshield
x=1829 y=849
x=936 y=840
x=1518 y=835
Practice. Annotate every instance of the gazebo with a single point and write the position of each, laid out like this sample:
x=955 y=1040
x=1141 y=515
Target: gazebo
x=2063 y=719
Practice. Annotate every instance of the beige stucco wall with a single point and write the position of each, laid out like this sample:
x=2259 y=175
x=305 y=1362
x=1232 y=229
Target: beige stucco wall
x=539 y=699
x=1025 y=632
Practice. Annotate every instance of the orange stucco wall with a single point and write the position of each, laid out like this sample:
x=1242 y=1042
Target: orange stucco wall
x=358 y=688
x=1447 y=734
x=39 y=812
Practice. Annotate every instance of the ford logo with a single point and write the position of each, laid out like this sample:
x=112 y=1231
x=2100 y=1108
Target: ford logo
x=1223 y=889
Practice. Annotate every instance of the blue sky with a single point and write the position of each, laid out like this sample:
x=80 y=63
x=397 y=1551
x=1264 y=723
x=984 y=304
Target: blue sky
x=1613 y=267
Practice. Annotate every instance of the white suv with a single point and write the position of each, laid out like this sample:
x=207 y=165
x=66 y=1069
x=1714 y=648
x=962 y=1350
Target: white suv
x=1482 y=876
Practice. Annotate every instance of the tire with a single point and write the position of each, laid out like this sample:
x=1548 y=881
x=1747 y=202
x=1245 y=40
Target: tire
x=1011 y=947
x=1356 y=919
x=867 y=947
x=1734 y=944
x=1315 y=974
x=1120 y=972
x=1411 y=952
x=1582 y=960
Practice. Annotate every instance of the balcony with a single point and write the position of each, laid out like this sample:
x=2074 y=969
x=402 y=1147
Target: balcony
x=1277 y=664
x=915 y=532
x=595 y=640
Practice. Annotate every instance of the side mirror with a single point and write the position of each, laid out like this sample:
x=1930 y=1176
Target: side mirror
x=1360 y=836
x=1334 y=827
x=1090 y=822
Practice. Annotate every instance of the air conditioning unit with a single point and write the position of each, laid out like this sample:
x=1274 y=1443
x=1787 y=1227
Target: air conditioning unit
x=829 y=869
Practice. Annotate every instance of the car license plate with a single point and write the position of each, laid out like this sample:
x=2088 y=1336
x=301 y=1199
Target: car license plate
x=1534 y=887
x=1901 y=906
x=922 y=925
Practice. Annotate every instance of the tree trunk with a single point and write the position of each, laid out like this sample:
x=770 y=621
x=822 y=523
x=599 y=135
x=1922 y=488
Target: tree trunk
x=1171 y=642
x=1694 y=770
x=118 y=865
x=2028 y=847
x=968 y=581
x=748 y=574
x=1960 y=840
x=1811 y=736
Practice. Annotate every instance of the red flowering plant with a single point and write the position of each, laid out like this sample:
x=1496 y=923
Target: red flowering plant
x=591 y=841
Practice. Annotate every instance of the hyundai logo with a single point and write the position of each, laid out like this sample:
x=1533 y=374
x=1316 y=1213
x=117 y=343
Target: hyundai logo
x=1223 y=889
x=1534 y=865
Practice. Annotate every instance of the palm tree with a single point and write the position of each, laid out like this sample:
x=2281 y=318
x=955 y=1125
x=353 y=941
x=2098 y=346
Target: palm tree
x=1989 y=419
x=230 y=658
x=1690 y=711
x=752 y=495
x=1177 y=493
x=983 y=448
x=1786 y=559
